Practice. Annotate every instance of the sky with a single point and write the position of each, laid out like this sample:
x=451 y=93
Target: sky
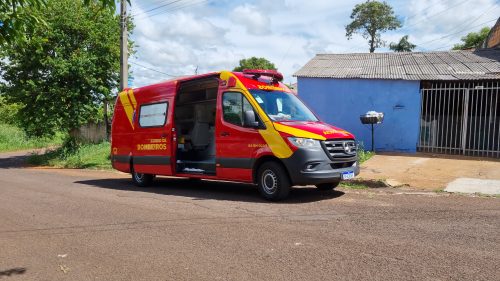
x=183 y=37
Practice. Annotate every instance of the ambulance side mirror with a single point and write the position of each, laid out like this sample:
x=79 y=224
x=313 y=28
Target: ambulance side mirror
x=249 y=120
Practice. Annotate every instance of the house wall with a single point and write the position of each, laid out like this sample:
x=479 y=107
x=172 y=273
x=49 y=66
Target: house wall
x=493 y=39
x=340 y=102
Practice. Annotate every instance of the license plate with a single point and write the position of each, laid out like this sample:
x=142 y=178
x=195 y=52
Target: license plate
x=348 y=175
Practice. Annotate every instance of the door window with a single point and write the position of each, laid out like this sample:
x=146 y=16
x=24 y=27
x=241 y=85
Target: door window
x=234 y=105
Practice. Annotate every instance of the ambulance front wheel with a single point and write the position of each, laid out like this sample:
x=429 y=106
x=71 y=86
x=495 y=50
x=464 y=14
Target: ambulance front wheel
x=273 y=181
x=328 y=186
x=142 y=180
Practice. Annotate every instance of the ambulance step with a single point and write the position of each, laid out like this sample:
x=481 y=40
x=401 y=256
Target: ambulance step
x=196 y=167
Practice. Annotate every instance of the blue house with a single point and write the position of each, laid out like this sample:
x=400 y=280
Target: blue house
x=443 y=102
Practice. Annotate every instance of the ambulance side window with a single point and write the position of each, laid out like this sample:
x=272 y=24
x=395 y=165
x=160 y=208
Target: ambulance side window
x=153 y=115
x=234 y=104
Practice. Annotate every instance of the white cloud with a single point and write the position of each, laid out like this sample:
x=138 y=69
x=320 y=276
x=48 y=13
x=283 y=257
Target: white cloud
x=252 y=18
x=215 y=35
x=439 y=15
x=438 y=24
x=188 y=27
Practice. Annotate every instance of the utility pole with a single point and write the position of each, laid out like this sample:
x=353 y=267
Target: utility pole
x=123 y=46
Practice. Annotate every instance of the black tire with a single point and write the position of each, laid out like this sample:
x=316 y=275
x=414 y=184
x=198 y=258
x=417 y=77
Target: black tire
x=273 y=181
x=328 y=186
x=193 y=181
x=142 y=180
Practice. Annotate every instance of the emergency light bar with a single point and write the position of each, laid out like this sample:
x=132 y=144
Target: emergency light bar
x=264 y=72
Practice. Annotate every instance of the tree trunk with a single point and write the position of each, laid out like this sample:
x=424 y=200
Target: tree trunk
x=372 y=44
x=106 y=120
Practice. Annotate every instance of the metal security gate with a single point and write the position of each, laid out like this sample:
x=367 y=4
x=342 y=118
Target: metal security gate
x=460 y=118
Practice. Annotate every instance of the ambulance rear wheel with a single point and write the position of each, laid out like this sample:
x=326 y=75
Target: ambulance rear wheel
x=141 y=179
x=273 y=181
x=328 y=186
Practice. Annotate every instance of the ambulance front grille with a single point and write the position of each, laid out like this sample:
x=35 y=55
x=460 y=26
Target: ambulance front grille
x=340 y=149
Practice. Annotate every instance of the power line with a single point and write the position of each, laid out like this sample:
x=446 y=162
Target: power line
x=443 y=11
x=288 y=50
x=427 y=8
x=154 y=4
x=157 y=7
x=463 y=30
x=137 y=8
x=446 y=36
x=152 y=69
x=477 y=18
x=176 y=8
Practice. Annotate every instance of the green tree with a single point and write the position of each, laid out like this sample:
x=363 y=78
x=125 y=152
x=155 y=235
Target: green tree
x=15 y=19
x=403 y=45
x=61 y=74
x=370 y=19
x=8 y=111
x=473 y=40
x=254 y=63
x=16 y=16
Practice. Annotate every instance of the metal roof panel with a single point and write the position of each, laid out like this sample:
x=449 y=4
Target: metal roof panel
x=451 y=65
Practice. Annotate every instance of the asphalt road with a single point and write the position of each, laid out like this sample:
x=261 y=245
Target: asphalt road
x=88 y=225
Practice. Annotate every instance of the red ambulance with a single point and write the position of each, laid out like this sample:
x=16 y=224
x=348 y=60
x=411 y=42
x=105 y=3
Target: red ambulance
x=235 y=126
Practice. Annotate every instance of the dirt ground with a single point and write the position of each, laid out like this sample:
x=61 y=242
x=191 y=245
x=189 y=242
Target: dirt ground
x=60 y=224
x=426 y=171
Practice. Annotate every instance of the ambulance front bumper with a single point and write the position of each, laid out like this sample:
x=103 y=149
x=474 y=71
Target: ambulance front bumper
x=313 y=166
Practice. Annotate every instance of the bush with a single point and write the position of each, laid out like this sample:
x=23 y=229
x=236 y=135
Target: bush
x=8 y=112
x=13 y=138
x=87 y=156
x=363 y=154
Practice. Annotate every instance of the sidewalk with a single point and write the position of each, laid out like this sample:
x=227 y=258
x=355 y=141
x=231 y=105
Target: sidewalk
x=428 y=172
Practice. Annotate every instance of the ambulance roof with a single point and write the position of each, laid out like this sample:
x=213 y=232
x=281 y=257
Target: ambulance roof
x=249 y=80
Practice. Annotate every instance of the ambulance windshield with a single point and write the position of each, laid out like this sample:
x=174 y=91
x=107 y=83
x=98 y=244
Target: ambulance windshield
x=281 y=106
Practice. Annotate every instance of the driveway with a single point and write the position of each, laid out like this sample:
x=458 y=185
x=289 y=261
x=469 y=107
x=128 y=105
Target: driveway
x=430 y=172
x=92 y=225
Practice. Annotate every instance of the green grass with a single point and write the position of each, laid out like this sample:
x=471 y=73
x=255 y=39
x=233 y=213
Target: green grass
x=87 y=156
x=362 y=184
x=353 y=185
x=364 y=155
x=13 y=138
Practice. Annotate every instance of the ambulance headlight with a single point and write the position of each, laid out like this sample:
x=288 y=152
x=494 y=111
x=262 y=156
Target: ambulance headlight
x=304 y=143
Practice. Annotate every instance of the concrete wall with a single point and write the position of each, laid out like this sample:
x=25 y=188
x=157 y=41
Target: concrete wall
x=340 y=102
x=92 y=133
